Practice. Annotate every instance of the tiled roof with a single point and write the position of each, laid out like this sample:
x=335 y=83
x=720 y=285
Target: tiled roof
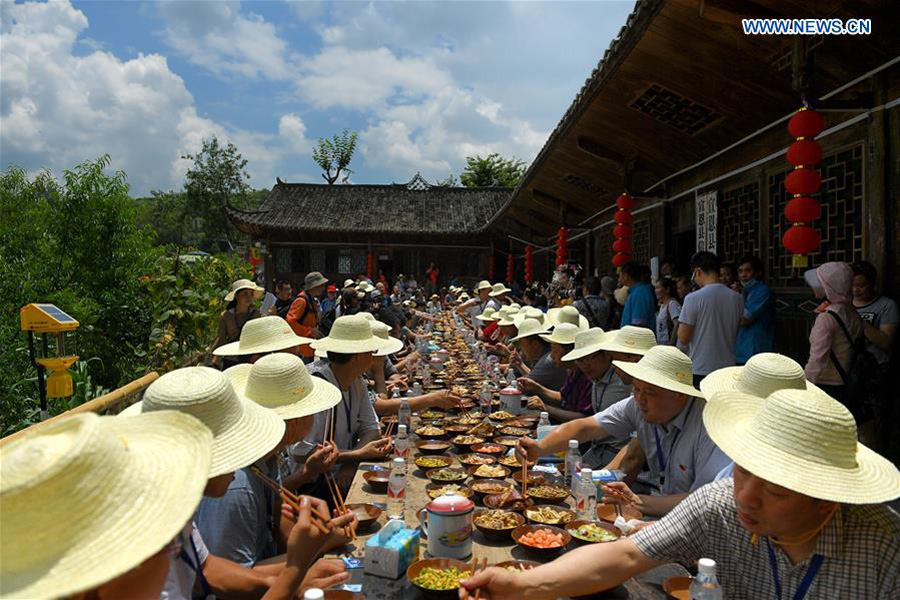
x=410 y=208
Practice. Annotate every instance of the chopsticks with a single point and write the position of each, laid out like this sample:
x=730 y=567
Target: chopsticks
x=292 y=500
x=475 y=570
x=339 y=502
x=524 y=477
x=619 y=495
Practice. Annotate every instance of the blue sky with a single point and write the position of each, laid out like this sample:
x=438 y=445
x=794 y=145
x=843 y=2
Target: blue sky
x=424 y=83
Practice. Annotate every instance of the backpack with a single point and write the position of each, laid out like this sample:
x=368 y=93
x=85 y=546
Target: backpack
x=861 y=380
x=591 y=316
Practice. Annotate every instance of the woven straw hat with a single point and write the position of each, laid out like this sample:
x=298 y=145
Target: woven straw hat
x=365 y=287
x=528 y=328
x=505 y=316
x=630 y=340
x=280 y=382
x=487 y=315
x=516 y=306
x=762 y=375
x=567 y=314
x=367 y=316
x=464 y=297
x=529 y=313
x=498 y=289
x=244 y=284
x=391 y=344
x=564 y=334
x=663 y=366
x=86 y=498
x=243 y=432
x=350 y=283
x=484 y=284
x=350 y=334
x=263 y=335
x=801 y=440
x=587 y=342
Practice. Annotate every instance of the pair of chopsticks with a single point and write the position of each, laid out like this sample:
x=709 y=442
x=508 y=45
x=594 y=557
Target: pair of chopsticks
x=339 y=502
x=617 y=494
x=484 y=562
x=293 y=501
x=329 y=427
x=524 y=477
x=387 y=429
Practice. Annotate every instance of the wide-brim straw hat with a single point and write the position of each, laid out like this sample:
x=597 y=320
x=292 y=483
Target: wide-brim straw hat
x=263 y=335
x=243 y=432
x=516 y=306
x=484 y=284
x=529 y=313
x=666 y=367
x=85 y=499
x=244 y=284
x=280 y=382
x=529 y=328
x=505 y=316
x=498 y=289
x=586 y=342
x=350 y=283
x=489 y=314
x=567 y=314
x=350 y=334
x=763 y=374
x=630 y=340
x=803 y=441
x=563 y=334
x=391 y=344
x=365 y=287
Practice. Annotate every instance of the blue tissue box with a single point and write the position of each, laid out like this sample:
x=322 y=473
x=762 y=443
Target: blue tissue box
x=392 y=550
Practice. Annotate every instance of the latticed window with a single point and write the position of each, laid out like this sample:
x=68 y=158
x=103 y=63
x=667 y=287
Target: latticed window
x=283 y=260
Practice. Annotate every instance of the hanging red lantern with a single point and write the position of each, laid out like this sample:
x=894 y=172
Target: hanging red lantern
x=802 y=210
x=802 y=183
x=623 y=246
x=801 y=239
x=625 y=202
x=620 y=259
x=529 y=264
x=370 y=265
x=622 y=231
x=491 y=267
x=804 y=152
x=510 y=268
x=622 y=216
x=562 y=250
x=806 y=123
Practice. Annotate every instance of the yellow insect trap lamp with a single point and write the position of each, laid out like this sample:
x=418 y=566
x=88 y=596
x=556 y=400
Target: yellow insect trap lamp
x=53 y=350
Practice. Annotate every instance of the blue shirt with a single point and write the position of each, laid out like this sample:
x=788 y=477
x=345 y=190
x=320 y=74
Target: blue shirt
x=640 y=307
x=758 y=335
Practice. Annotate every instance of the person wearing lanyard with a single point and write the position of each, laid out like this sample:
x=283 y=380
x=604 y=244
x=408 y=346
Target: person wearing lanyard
x=803 y=518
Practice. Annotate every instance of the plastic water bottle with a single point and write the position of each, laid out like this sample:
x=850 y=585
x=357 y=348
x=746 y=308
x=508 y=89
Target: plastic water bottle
x=416 y=389
x=705 y=585
x=401 y=442
x=511 y=376
x=314 y=594
x=573 y=464
x=485 y=400
x=586 y=498
x=397 y=489
x=544 y=427
x=403 y=413
x=426 y=376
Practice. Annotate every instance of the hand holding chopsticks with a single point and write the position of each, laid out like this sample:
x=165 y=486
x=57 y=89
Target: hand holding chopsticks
x=320 y=521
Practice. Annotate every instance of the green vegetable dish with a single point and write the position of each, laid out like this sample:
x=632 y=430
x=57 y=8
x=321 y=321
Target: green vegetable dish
x=590 y=532
x=440 y=579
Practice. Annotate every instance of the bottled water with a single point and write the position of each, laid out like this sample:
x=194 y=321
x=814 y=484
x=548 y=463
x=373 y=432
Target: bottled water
x=416 y=389
x=586 y=498
x=485 y=400
x=401 y=442
x=544 y=427
x=426 y=376
x=511 y=377
x=495 y=376
x=705 y=585
x=573 y=464
x=397 y=489
x=403 y=413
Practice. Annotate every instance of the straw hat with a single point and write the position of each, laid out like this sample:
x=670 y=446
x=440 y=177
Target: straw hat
x=367 y=316
x=350 y=283
x=630 y=340
x=263 y=335
x=587 y=342
x=244 y=284
x=280 y=382
x=663 y=366
x=86 y=498
x=464 y=297
x=801 y=440
x=391 y=344
x=350 y=334
x=243 y=431
x=487 y=315
x=567 y=314
x=528 y=328
x=528 y=313
x=763 y=374
x=364 y=287
x=516 y=306
x=564 y=334
x=484 y=284
x=505 y=316
x=498 y=289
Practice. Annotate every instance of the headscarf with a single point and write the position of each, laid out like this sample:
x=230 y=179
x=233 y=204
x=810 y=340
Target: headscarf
x=836 y=279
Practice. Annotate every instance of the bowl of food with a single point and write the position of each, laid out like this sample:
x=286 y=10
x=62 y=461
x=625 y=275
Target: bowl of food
x=432 y=447
x=457 y=429
x=464 y=443
x=678 y=587
x=511 y=460
x=488 y=448
x=507 y=441
x=485 y=430
x=497 y=524
x=432 y=414
x=607 y=512
x=592 y=532
x=517 y=566
x=377 y=480
x=487 y=487
x=502 y=415
x=433 y=462
x=542 y=541
x=511 y=499
x=366 y=514
x=389 y=419
x=446 y=475
x=438 y=578
x=549 y=515
x=488 y=472
x=523 y=423
x=515 y=431
x=430 y=432
x=435 y=490
x=476 y=459
x=469 y=420
x=546 y=492
x=534 y=477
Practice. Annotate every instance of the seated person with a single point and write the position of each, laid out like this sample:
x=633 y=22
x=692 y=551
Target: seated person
x=573 y=400
x=537 y=364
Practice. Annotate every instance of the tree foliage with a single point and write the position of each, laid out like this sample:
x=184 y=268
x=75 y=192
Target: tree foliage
x=334 y=155
x=492 y=170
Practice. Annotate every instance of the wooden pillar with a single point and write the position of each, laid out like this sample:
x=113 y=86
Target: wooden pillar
x=875 y=191
x=588 y=252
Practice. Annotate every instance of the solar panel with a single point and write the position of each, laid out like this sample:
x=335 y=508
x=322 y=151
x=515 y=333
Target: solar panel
x=56 y=313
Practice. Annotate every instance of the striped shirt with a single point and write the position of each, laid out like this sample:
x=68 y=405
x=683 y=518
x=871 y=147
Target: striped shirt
x=860 y=546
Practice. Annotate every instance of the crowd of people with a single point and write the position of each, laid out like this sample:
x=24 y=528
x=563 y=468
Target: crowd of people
x=737 y=453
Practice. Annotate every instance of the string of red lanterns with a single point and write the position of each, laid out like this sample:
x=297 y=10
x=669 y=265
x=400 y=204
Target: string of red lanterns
x=370 y=265
x=622 y=230
x=491 y=267
x=804 y=181
x=529 y=264
x=562 y=249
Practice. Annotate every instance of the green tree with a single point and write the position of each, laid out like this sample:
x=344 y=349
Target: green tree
x=334 y=155
x=493 y=170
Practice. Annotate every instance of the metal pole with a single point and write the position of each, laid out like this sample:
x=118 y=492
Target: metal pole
x=42 y=385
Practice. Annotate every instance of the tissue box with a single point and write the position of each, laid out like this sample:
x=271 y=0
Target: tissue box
x=392 y=550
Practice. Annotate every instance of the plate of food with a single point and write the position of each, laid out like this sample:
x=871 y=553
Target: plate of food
x=464 y=442
x=470 y=420
x=432 y=414
x=489 y=448
x=502 y=415
x=438 y=578
x=517 y=431
x=457 y=429
x=432 y=447
x=511 y=499
x=554 y=494
x=511 y=460
x=523 y=423
x=592 y=532
x=430 y=432
x=544 y=541
x=435 y=490
x=487 y=487
x=433 y=462
x=534 y=477
x=549 y=515
x=488 y=472
x=474 y=458
x=445 y=475
x=507 y=441
x=497 y=524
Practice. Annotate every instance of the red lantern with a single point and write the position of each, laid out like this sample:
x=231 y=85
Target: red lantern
x=370 y=265
x=806 y=123
x=803 y=182
x=622 y=216
x=623 y=246
x=562 y=250
x=529 y=265
x=622 y=231
x=801 y=239
x=804 y=152
x=620 y=259
x=802 y=210
x=625 y=202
